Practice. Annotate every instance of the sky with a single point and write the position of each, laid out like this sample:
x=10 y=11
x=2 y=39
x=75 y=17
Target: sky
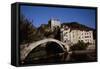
x=41 y=15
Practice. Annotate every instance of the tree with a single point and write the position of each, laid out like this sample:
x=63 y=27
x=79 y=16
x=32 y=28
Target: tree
x=27 y=30
x=57 y=33
x=79 y=46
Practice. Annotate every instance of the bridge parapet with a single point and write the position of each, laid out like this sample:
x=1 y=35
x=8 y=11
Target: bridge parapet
x=27 y=49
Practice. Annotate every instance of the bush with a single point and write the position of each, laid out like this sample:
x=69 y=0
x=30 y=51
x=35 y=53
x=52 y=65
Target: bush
x=79 y=46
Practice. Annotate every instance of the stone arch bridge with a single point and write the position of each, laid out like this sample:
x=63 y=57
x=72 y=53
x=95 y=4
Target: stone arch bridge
x=27 y=49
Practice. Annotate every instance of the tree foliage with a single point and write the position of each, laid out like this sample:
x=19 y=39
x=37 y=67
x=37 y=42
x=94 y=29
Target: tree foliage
x=77 y=26
x=79 y=46
x=27 y=30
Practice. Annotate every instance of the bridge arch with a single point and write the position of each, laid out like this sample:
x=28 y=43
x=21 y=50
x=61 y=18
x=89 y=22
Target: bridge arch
x=26 y=50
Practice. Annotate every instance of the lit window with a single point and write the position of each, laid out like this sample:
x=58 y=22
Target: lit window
x=73 y=36
x=82 y=33
x=87 y=33
x=86 y=36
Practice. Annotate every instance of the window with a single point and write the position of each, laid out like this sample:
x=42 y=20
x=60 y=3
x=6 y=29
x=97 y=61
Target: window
x=73 y=36
x=82 y=33
x=66 y=35
x=86 y=36
x=87 y=33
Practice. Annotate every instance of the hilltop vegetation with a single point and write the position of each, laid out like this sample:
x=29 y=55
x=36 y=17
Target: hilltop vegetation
x=77 y=26
x=28 y=33
x=27 y=30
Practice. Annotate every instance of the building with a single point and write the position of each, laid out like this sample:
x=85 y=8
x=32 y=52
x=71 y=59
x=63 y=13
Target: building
x=72 y=32
x=76 y=32
x=54 y=24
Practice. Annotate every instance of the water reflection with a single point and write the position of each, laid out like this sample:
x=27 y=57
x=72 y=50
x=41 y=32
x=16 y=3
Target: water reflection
x=52 y=53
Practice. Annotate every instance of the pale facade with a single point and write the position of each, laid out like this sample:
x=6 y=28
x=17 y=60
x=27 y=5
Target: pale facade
x=76 y=35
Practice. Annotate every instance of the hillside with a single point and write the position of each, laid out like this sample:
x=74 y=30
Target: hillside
x=77 y=26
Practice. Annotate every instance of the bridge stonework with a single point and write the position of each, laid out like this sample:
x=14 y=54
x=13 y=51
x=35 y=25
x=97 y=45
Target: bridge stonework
x=27 y=49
